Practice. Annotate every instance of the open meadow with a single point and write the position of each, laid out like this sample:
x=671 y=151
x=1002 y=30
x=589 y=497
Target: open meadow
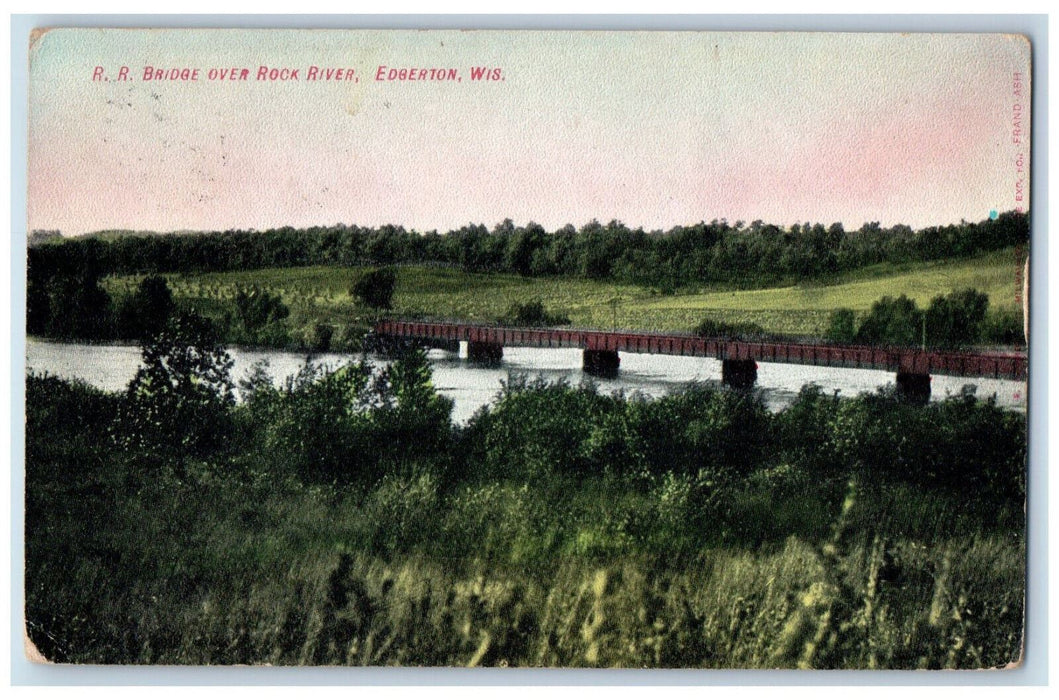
x=322 y=294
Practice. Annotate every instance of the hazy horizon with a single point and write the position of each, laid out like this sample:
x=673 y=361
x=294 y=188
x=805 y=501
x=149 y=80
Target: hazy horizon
x=487 y=225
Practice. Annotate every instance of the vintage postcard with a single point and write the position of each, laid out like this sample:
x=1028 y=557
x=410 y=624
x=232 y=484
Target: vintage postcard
x=555 y=349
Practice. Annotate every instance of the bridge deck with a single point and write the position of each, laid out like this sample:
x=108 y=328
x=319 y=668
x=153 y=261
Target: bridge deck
x=1001 y=365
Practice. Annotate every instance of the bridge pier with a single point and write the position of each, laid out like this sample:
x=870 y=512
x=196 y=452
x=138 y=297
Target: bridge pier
x=739 y=374
x=602 y=363
x=486 y=353
x=914 y=387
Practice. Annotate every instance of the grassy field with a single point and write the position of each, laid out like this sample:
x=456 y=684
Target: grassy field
x=205 y=572
x=322 y=294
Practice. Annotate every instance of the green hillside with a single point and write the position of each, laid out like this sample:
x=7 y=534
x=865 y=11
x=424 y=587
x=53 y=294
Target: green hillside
x=322 y=293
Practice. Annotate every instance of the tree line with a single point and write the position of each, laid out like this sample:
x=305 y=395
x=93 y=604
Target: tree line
x=717 y=252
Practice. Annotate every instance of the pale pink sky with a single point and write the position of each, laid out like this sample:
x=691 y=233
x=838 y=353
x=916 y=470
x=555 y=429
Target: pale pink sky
x=653 y=129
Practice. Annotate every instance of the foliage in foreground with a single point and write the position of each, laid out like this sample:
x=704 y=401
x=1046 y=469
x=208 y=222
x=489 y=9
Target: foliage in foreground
x=345 y=520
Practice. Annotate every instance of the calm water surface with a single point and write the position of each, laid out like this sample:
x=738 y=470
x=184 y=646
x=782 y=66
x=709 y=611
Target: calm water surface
x=111 y=367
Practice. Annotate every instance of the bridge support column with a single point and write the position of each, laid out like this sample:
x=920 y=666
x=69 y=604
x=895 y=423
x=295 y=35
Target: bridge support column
x=489 y=353
x=603 y=363
x=914 y=387
x=739 y=374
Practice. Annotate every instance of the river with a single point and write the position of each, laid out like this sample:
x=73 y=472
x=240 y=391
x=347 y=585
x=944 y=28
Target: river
x=111 y=367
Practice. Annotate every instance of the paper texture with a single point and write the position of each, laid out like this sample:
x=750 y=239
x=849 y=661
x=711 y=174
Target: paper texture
x=526 y=348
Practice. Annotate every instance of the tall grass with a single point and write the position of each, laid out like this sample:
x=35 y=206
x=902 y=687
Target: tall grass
x=189 y=573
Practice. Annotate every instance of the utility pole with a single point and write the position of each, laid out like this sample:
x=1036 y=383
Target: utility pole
x=614 y=312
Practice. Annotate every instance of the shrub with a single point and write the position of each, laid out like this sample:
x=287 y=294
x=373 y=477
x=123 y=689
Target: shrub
x=980 y=448
x=66 y=423
x=536 y=430
x=352 y=425
x=317 y=425
x=842 y=326
x=687 y=508
x=1003 y=326
x=413 y=421
x=956 y=319
x=376 y=287
x=951 y=321
x=727 y=433
x=960 y=444
x=532 y=313
x=403 y=513
x=803 y=433
x=350 y=338
x=260 y=317
x=78 y=308
x=148 y=310
x=179 y=403
x=892 y=322
x=318 y=337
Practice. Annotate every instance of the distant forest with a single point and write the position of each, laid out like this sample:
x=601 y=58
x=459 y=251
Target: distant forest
x=716 y=253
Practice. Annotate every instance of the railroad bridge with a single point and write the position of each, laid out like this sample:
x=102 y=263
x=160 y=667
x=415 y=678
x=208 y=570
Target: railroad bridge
x=739 y=358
